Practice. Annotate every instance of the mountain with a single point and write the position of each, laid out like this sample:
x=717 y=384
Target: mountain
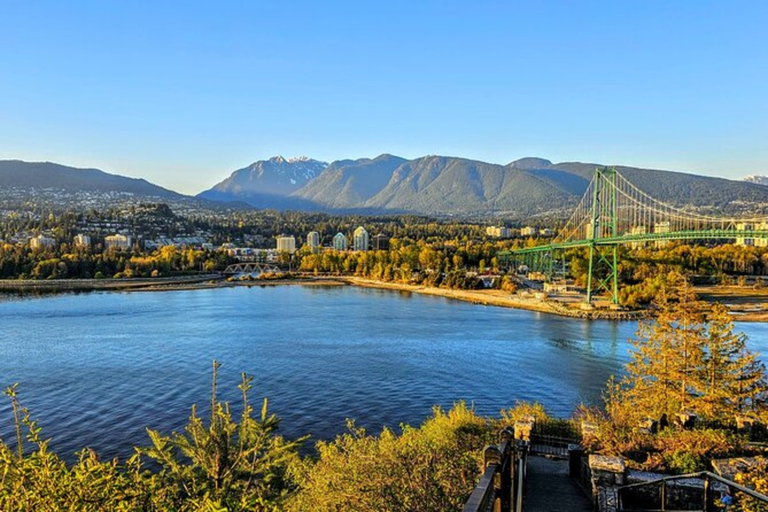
x=433 y=185
x=439 y=185
x=677 y=188
x=39 y=175
x=268 y=183
x=757 y=179
x=350 y=184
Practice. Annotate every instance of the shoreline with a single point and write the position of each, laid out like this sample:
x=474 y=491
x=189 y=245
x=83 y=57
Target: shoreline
x=744 y=311
x=499 y=298
x=91 y=285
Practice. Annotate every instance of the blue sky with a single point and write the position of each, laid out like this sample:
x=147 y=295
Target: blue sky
x=183 y=93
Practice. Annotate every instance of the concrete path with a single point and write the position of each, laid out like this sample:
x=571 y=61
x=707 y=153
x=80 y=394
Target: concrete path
x=550 y=489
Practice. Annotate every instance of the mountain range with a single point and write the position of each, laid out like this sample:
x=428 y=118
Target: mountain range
x=441 y=185
x=430 y=185
x=19 y=174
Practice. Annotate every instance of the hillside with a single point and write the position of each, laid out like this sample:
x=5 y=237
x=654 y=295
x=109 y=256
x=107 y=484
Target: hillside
x=673 y=187
x=349 y=184
x=47 y=175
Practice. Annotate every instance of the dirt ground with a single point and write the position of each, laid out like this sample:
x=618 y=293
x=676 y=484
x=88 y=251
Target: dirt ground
x=746 y=303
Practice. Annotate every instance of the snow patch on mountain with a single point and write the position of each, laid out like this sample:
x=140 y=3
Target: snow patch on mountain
x=276 y=176
x=757 y=179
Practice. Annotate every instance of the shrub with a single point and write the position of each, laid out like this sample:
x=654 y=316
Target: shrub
x=225 y=465
x=433 y=467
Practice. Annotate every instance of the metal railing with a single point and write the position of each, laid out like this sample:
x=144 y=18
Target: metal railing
x=551 y=445
x=671 y=496
x=502 y=484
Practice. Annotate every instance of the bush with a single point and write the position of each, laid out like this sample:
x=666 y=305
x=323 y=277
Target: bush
x=433 y=467
x=225 y=465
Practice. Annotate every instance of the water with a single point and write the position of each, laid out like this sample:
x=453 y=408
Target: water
x=96 y=369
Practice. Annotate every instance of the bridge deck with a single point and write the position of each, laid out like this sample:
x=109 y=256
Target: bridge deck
x=549 y=488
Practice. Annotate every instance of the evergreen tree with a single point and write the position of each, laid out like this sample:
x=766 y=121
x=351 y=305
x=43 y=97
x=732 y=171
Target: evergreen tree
x=688 y=358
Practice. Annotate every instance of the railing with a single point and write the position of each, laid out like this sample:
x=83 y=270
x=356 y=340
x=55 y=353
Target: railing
x=501 y=487
x=553 y=437
x=580 y=471
x=557 y=446
x=671 y=496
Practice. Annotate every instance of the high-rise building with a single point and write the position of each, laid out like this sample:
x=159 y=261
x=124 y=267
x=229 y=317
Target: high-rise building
x=761 y=242
x=313 y=241
x=82 y=241
x=361 y=239
x=41 y=242
x=118 y=241
x=340 y=242
x=498 y=231
x=286 y=244
x=740 y=240
x=661 y=227
x=637 y=230
x=380 y=242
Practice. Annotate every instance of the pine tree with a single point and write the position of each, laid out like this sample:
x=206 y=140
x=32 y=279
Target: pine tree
x=688 y=358
x=734 y=379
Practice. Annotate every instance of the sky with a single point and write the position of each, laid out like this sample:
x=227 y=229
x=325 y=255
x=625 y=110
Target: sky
x=184 y=93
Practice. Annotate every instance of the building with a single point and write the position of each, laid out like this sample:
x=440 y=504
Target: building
x=286 y=244
x=82 y=241
x=661 y=227
x=529 y=231
x=761 y=242
x=744 y=226
x=313 y=241
x=380 y=243
x=498 y=232
x=340 y=242
x=41 y=242
x=637 y=230
x=118 y=241
x=361 y=240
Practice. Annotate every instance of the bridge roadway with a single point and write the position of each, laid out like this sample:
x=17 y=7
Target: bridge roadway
x=706 y=234
x=550 y=489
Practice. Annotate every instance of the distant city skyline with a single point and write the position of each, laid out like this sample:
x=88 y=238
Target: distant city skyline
x=182 y=94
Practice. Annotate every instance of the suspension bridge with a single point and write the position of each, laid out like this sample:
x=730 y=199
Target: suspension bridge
x=614 y=212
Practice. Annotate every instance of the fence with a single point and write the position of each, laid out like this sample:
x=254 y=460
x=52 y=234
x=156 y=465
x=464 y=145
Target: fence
x=502 y=484
x=702 y=491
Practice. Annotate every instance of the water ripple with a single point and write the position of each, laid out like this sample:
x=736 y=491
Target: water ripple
x=97 y=369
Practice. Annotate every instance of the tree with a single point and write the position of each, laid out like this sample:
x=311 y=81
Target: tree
x=734 y=380
x=688 y=358
x=227 y=464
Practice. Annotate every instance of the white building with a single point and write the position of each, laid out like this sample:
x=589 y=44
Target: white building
x=286 y=244
x=661 y=227
x=529 y=231
x=313 y=241
x=82 y=241
x=41 y=242
x=118 y=241
x=361 y=239
x=637 y=230
x=340 y=242
x=498 y=231
x=744 y=226
x=761 y=242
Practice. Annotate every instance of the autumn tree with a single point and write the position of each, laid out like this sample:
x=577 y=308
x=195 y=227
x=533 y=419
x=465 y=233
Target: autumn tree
x=687 y=358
